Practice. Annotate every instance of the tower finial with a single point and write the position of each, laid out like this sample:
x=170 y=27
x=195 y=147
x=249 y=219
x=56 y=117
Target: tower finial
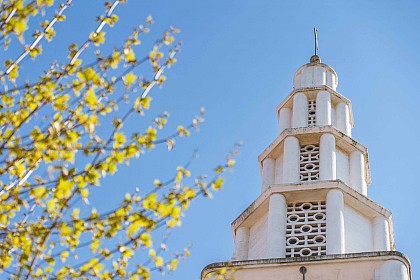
x=315 y=58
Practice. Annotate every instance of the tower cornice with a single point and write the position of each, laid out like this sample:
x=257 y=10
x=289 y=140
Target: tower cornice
x=312 y=262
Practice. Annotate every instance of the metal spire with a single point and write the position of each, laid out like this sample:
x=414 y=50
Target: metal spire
x=315 y=58
x=316 y=40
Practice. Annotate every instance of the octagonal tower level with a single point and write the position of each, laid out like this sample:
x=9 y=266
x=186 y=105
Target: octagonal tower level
x=313 y=210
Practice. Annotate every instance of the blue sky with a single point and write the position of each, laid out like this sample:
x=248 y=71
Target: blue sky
x=238 y=62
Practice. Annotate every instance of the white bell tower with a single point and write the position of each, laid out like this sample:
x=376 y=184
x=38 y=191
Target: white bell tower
x=313 y=219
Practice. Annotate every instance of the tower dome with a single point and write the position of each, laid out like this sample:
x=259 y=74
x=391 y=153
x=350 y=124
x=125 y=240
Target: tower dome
x=315 y=74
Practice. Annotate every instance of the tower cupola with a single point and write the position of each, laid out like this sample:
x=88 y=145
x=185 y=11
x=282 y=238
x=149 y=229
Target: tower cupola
x=315 y=74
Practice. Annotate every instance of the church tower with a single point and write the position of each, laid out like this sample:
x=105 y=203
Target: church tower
x=313 y=219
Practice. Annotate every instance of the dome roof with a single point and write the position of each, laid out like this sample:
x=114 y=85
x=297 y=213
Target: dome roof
x=315 y=74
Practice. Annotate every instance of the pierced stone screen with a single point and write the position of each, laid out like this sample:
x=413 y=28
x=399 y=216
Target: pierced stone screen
x=306 y=229
x=311 y=113
x=309 y=162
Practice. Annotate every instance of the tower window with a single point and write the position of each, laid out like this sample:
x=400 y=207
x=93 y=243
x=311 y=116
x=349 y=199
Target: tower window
x=306 y=229
x=311 y=113
x=309 y=162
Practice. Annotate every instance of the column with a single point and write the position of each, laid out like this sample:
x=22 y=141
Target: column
x=268 y=173
x=300 y=110
x=393 y=270
x=276 y=236
x=357 y=172
x=342 y=113
x=381 y=240
x=285 y=116
x=291 y=160
x=335 y=222
x=327 y=158
x=323 y=108
x=241 y=243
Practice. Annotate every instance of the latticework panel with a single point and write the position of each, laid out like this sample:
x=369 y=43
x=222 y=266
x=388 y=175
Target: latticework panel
x=309 y=162
x=311 y=113
x=306 y=229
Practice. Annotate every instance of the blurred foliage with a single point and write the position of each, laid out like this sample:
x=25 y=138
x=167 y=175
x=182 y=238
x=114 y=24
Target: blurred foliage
x=54 y=150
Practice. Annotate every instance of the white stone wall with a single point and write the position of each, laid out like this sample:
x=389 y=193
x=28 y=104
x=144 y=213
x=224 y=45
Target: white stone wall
x=343 y=166
x=258 y=239
x=241 y=243
x=358 y=231
x=279 y=170
x=357 y=172
x=342 y=118
x=285 y=119
x=333 y=116
x=393 y=270
x=268 y=173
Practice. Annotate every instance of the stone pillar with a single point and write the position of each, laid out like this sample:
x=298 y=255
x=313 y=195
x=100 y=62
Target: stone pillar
x=323 y=108
x=285 y=118
x=241 y=243
x=342 y=113
x=268 y=173
x=276 y=236
x=327 y=158
x=393 y=270
x=291 y=160
x=300 y=111
x=335 y=222
x=357 y=172
x=381 y=240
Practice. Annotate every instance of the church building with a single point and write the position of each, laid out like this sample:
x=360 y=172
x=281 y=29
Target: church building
x=314 y=219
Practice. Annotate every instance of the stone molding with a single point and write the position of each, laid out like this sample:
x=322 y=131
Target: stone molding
x=336 y=258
